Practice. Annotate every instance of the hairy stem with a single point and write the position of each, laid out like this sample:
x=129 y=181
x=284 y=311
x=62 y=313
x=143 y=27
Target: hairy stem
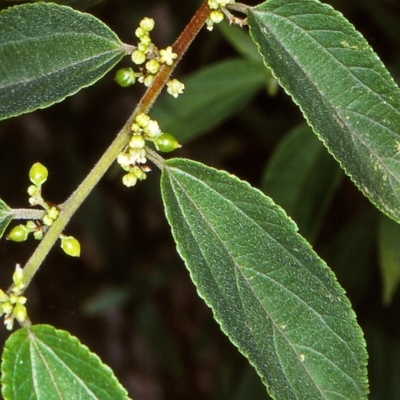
x=76 y=199
x=27 y=213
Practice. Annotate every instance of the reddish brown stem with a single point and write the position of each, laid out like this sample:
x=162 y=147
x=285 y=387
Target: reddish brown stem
x=179 y=47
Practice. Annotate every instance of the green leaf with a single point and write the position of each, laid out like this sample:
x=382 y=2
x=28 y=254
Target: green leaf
x=389 y=254
x=302 y=177
x=6 y=217
x=273 y=296
x=342 y=88
x=211 y=95
x=44 y=363
x=52 y=52
x=78 y=4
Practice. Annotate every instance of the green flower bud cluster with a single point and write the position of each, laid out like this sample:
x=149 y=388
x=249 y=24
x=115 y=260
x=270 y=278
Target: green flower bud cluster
x=148 y=58
x=38 y=175
x=133 y=158
x=12 y=305
x=217 y=12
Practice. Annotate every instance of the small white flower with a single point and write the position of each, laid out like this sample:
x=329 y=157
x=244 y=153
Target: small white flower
x=175 y=88
x=9 y=322
x=167 y=56
x=137 y=156
x=123 y=160
x=153 y=129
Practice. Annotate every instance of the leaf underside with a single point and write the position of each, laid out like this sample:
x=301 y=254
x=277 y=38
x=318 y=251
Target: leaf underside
x=343 y=89
x=44 y=363
x=273 y=296
x=49 y=52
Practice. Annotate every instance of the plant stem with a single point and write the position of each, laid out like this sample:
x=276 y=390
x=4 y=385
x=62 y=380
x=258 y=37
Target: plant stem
x=27 y=213
x=76 y=199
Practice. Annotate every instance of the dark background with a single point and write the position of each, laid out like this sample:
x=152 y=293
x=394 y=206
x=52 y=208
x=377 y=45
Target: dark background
x=129 y=297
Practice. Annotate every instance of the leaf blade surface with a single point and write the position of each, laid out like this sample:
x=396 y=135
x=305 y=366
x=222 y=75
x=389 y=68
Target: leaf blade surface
x=342 y=88
x=50 y=52
x=272 y=295
x=45 y=363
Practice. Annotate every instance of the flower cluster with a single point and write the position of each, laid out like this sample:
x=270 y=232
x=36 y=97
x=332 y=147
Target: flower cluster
x=149 y=59
x=133 y=158
x=12 y=304
x=38 y=175
x=217 y=12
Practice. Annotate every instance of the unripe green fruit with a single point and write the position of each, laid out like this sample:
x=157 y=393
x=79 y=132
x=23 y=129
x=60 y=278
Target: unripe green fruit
x=125 y=77
x=166 y=143
x=71 y=246
x=18 y=234
x=38 y=174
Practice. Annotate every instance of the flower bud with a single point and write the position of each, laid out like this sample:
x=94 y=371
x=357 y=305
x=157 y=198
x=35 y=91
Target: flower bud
x=148 y=80
x=129 y=180
x=216 y=16
x=18 y=275
x=152 y=66
x=138 y=57
x=147 y=24
x=142 y=120
x=137 y=142
x=20 y=312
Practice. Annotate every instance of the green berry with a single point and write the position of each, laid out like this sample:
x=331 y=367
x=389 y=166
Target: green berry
x=166 y=143
x=71 y=246
x=19 y=233
x=38 y=174
x=125 y=77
